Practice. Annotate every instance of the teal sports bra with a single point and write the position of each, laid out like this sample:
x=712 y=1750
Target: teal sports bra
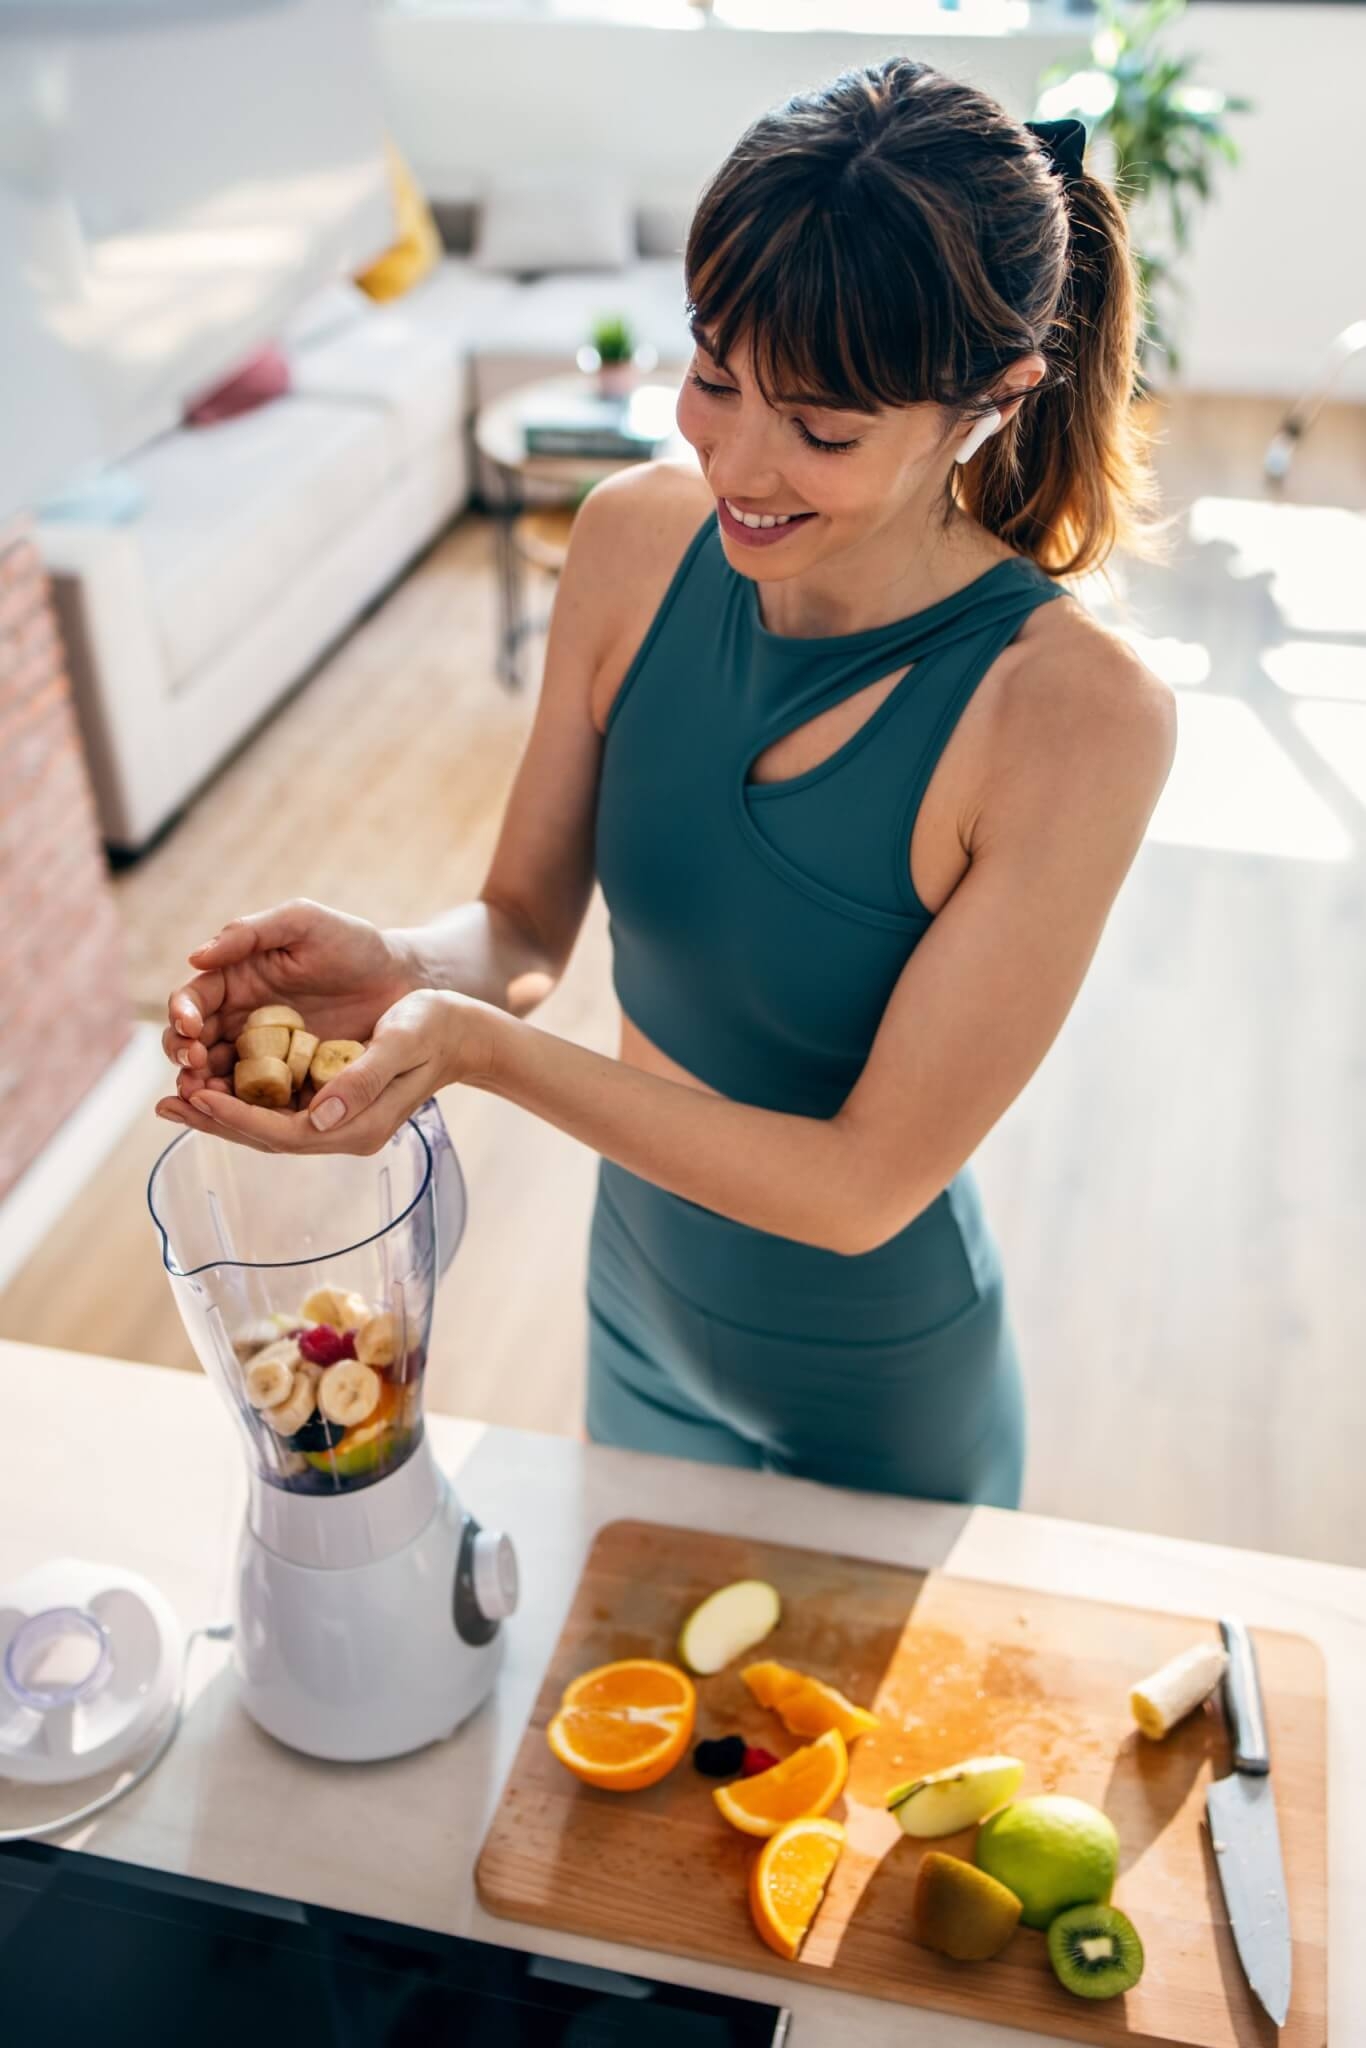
x=758 y=930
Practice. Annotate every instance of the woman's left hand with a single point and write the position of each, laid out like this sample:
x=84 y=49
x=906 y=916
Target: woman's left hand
x=426 y=1041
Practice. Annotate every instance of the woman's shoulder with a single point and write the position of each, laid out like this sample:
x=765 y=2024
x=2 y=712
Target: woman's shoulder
x=641 y=522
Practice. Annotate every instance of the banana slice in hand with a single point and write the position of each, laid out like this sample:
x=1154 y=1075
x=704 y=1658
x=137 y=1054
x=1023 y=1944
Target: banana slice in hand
x=377 y=1342
x=302 y=1046
x=263 y=1042
x=269 y=1377
x=335 y=1307
x=332 y=1057
x=264 y=1082
x=278 y=1014
x=349 y=1393
x=291 y=1414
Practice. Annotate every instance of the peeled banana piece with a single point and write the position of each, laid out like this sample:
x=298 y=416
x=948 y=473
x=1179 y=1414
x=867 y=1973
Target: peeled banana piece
x=377 y=1341
x=336 y=1307
x=349 y=1393
x=292 y=1413
x=302 y=1046
x=278 y=1015
x=1177 y=1689
x=263 y=1042
x=265 y=1082
x=269 y=1376
x=332 y=1057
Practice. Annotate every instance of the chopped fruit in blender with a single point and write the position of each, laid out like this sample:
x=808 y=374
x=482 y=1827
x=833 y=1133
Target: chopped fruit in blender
x=275 y=1014
x=624 y=1726
x=806 y=1706
x=302 y=1046
x=808 y=1782
x=943 y=1802
x=349 y=1393
x=367 y=1447
x=317 y=1434
x=724 y=1757
x=263 y=1042
x=727 y=1623
x=332 y=1057
x=960 y=1911
x=263 y=1082
x=293 y=1412
x=758 y=1761
x=789 y=1878
x=254 y=1337
x=377 y=1342
x=322 y=1345
x=333 y=1305
x=1177 y=1689
x=269 y=1377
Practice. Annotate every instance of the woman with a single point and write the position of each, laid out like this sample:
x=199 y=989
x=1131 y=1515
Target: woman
x=859 y=779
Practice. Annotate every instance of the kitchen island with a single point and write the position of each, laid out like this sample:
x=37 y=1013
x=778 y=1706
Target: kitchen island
x=139 y=1466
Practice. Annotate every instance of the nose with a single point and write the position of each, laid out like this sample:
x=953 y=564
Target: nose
x=738 y=456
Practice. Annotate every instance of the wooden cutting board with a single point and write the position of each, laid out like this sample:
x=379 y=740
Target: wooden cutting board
x=957 y=1668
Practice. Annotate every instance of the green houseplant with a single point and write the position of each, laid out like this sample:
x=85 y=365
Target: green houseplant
x=612 y=352
x=1163 y=134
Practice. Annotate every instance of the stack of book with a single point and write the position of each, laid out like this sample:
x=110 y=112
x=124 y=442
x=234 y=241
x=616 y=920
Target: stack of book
x=631 y=428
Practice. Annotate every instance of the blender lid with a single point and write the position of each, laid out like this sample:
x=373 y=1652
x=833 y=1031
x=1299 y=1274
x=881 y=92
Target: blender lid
x=90 y=1659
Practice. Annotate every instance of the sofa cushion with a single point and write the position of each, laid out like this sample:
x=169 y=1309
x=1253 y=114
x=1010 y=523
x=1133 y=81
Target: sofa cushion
x=231 y=516
x=418 y=249
x=552 y=316
x=458 y=302
x=413 y=374
x=541 y=221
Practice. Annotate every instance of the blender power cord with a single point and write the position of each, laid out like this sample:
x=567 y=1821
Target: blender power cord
x=215 y=1632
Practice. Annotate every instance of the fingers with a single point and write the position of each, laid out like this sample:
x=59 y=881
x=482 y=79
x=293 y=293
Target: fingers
x=173 y=1110
x=260 y=933
x=189 y=1006
x=392 y=1052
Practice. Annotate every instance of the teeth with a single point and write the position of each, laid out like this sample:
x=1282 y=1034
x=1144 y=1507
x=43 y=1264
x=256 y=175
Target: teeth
x=759 y=519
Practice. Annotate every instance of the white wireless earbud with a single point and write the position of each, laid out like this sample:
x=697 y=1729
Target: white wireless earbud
x=982 y=430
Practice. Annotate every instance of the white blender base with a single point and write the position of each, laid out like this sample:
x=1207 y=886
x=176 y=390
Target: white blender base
x=362 y=1662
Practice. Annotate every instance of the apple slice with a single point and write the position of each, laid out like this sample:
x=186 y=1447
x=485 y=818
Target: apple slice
x=728 y=1623
x=943 y=1802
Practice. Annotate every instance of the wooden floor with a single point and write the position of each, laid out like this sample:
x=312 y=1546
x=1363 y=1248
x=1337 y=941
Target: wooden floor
x=1180 y=1194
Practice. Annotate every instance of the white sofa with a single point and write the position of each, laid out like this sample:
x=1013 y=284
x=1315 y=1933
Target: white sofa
x=263 y=539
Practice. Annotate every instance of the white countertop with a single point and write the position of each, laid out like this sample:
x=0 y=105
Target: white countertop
x=138 y=1466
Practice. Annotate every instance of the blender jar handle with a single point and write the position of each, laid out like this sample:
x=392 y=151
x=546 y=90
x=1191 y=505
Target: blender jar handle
x=448 y=1183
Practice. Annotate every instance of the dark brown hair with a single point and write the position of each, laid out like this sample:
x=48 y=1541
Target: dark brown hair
x=895 y=237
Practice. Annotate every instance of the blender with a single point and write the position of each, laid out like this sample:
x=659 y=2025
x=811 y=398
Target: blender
x=368 y=1602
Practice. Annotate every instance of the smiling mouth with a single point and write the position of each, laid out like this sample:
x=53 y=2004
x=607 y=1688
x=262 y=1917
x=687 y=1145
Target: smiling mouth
x=758 y=522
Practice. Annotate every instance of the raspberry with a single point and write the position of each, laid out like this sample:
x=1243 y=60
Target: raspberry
x=323 y=1345
x=348 y=1344
x=757 y=1760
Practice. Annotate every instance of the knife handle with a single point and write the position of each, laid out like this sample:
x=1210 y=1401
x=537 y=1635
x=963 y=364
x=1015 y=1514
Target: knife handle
x=1243 y=1700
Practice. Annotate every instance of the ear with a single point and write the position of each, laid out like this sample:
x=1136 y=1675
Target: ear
x=1023 y=376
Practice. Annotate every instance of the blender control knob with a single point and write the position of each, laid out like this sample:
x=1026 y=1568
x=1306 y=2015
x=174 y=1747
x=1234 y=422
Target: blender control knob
x=494 y=1571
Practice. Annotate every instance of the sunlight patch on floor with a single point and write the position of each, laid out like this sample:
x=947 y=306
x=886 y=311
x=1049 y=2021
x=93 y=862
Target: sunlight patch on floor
x=1318 y=668
x=1337 y=733
x=1310 y=555
x=1232 y=789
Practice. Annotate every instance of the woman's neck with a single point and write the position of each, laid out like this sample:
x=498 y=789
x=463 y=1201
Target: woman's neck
x=887 y=577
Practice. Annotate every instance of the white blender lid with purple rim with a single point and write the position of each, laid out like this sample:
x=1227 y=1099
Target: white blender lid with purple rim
x=90 y=1661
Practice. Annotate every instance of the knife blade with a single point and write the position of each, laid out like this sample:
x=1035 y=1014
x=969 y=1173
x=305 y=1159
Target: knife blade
x=1241 y=1810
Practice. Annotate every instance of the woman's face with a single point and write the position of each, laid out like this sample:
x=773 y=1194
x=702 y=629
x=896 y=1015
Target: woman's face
x=842 y=476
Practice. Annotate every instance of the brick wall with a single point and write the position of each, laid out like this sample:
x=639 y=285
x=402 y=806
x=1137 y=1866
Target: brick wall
x=64 y=1010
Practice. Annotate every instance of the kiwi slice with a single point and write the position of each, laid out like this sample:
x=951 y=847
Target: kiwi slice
x=1095 y=1951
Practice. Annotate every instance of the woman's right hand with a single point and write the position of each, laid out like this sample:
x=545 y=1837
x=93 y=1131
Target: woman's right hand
x=341 y=973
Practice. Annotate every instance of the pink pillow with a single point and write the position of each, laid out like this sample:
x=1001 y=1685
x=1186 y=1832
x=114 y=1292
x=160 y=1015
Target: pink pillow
x=262 y=377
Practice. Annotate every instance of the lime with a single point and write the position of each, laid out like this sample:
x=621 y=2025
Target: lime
x=1052 y=1852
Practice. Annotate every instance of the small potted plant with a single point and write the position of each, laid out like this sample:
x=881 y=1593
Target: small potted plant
x=611 y=352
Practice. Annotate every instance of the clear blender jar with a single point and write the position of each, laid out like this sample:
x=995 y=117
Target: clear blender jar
x=306 y=1285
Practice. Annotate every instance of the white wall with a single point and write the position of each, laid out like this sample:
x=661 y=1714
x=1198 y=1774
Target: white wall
x=1279 y=263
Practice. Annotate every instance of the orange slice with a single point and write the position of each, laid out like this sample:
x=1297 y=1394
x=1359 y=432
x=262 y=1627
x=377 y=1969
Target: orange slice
x=805 y=1784
x=624 y=1726
x=807 y=1705
x=789 y=1878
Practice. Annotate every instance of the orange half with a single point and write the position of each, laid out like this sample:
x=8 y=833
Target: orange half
x=805 y=1784
x=789 y=1878
x=624 y=1726
x=807 y=1706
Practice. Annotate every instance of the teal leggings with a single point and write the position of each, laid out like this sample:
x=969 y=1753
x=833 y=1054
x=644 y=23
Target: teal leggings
x=894 y=1371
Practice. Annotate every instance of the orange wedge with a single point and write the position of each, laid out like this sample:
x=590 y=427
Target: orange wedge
x=624 y=1726
x=789 y=1878
x=805 y=1784
x=807 y=1705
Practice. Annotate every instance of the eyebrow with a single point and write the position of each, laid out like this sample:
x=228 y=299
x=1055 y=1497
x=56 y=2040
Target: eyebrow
x=820 y=402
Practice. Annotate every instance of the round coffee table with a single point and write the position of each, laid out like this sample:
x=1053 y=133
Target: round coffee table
x=558 y=482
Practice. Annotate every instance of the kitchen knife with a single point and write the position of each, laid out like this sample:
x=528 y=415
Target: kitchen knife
x=1244 y=1836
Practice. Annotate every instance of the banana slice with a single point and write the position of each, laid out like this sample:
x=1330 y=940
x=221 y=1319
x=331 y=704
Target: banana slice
x=254 y=1337
x=377 y=1342
x=264 y=1082
x=275 y=1013
x=269 y=1377
x=291 y=1414
x=1179 y=1687
x=349 y=1393
x=302 y=1046
x=263 y=1042
x=335 y=1307
x=331 y=1057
